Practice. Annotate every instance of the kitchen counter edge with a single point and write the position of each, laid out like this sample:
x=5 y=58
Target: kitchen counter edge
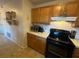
x=45 y=35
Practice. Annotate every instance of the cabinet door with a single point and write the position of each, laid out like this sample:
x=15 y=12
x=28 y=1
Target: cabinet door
x=35 y=15
x=31 y=41
x=44 y=15
x=55 y=10
x=41 y=43
x=76 y=53
x=71 y=9
x=77 y=21
x=36 y=43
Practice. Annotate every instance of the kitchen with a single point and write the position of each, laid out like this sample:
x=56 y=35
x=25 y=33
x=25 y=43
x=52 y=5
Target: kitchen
x=61 y=16
x=38 y=19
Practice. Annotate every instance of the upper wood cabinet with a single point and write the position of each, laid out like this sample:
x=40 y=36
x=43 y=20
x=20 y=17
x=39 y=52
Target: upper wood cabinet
x=35 y=15
x=55 y=10
x=44 y=15
x=40 y=15
x=77 y=21
x=71 y=9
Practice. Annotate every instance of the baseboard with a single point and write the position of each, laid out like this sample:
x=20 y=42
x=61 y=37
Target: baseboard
x=19 y=45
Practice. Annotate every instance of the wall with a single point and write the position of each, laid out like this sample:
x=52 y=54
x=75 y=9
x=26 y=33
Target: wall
x=23 y=11
x=52 y=3
x=77 y=33
x=60 y=25
x=64 y=25
x=11 y=5
x=26 y=20
x=4 y=25
x=1 y=26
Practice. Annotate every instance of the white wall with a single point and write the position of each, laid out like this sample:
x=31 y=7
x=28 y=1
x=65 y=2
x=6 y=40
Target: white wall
x=60 y=25
x=1 y=26
x=11 y=5
x=52 y=3
x=26 y=22
x=77 y=33
x=23 y=11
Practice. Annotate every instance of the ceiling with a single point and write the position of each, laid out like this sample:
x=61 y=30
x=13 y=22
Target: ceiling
x=36 y=2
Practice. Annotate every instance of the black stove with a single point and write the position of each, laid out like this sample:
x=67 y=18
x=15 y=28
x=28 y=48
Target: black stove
x=58 y=44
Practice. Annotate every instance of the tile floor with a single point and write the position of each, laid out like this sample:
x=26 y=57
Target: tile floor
x=10 y=50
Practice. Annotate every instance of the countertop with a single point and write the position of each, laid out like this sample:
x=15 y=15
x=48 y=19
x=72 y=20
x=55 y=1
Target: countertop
x=76 y=42
x=40 y=34
x=45 y=35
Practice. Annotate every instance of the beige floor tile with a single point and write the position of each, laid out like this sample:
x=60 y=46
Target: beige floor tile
x=10 y=50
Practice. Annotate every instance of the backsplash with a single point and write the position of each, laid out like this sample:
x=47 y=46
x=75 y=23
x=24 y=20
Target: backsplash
x=57 y=24
x=45 y=27
x=77 y=33
x=60 y=25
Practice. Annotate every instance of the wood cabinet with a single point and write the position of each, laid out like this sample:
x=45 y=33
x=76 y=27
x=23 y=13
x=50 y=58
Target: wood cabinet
x=76 y=53
x=77 y=21
x=35 y=15
x=36 y=43
x=40 y=15
x=30 y=40
x=71 y=8
x=44 y=15
x=55 y=10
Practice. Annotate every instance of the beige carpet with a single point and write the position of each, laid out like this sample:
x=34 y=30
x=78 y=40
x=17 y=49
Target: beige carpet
x=10 y=50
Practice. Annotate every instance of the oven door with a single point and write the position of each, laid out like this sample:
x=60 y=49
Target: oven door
x=56 y=49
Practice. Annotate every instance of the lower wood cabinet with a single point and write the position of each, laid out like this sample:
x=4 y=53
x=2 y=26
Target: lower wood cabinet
x=76 y=53
x=37 y=43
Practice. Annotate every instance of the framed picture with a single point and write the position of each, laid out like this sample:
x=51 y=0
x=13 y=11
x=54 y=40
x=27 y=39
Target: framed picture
x=11 y=18
x=13 y=15
x=9 y=22
x=15 y=22
x=8 y=16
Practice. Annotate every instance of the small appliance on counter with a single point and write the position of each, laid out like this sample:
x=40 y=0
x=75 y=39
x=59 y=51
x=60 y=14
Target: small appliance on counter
x=73 y=34
x=37 y=28
x=58 y=44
